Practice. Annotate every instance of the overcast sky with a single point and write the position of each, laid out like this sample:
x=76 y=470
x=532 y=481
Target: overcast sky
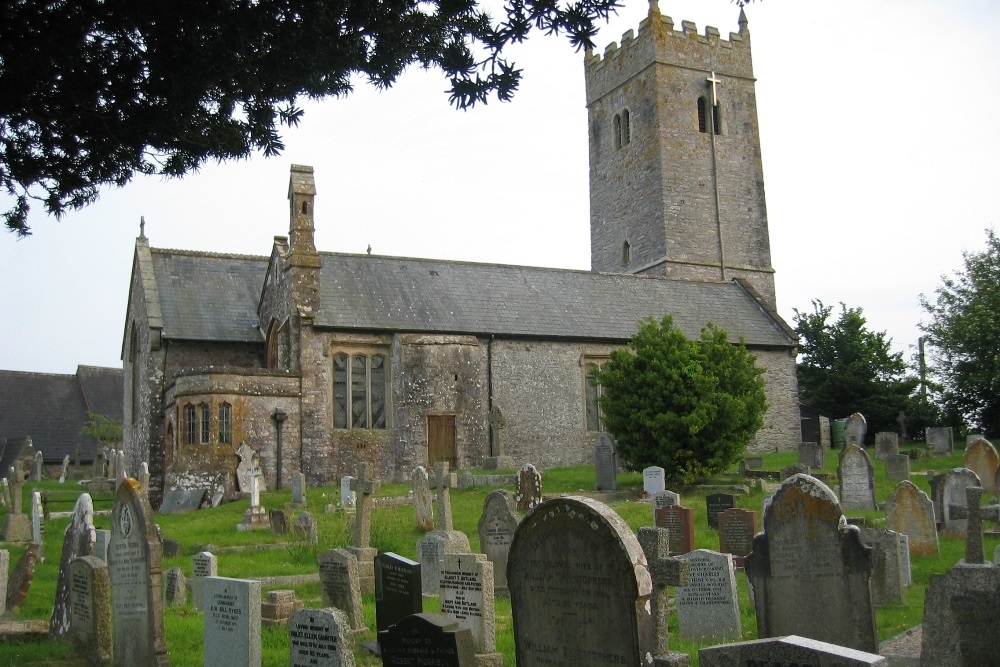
x=880 y=142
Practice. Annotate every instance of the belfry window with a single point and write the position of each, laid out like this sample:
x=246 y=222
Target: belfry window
x=617 y=131
x=709 y=115
x=359 y=391
x=622 y=129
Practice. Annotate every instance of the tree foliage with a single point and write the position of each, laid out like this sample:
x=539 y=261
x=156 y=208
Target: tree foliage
x=846 y=368
x=92 y=93
x=964 y=332
x=102 y=429
x=689 y=406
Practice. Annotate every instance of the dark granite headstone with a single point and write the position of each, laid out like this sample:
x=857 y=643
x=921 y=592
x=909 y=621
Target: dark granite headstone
x=397 y=589
x=737 y=528
x=717 y=503
x=427 y=639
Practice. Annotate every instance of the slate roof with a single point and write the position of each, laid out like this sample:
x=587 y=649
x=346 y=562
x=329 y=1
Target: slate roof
x=208 y=296
x=371 y=292
x=51 y=408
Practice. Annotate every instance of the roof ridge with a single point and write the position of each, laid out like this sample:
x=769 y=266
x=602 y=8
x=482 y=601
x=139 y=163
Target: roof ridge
x=58 y=375
x=203 y=253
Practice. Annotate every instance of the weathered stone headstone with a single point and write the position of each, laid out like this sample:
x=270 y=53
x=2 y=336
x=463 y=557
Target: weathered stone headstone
x=279 y=521
x=751 y=463
x=135 y=570
x=232 y=622
x=812 y=454
x=4 y=568
x=21 y=578
x=427 y=638
x=886 y=445
x=181 y=500
x=737 y=528
x=716 y=504
x=529 y=488
x=78 y=541
x=654 y=480
x=940 y=439
x=423 y=502
x=278 y=607
x=857 y=479
x=664 y=571
x=908 y=510
x=791 y=651
x=888 y=582
x=496 y=531
x=897 y=467
x=807 y=553
x=679 y=522
x=320 y=638
x=397 y=589
x=65 y=470
x=566 y=557
x=708 y=606
x=606 y=463
x=855 y=430
x=467 y=594
x=338 y=577
x=38 y=470
x=204 y=564
x=17 y=524
x=298 y=489
x=953 y=494
x=347 y=497
x=981 y=458
x=100 y=467
x=102 y=538
x=664 y=498
x=364 y=488
x=794 y=469
x=174 y=588
x=90 y=609
x=430 y=552
x=306 y=528
x=38 y=523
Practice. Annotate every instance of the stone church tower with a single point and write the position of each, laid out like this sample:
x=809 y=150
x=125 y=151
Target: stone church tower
x=676 y=182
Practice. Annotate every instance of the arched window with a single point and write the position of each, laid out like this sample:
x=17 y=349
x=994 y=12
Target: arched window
x=717 y=119
x=190 y=424
x=359 y=391
x=709 y=115
x=340 y=391
x=618 y=131
x=593 y=393
x=205 y=423
x=225 y=424
x=626 y=128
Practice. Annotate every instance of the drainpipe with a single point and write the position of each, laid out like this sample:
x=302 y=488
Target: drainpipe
x=279 y=417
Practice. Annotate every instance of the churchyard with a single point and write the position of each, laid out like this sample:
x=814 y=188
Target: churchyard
x=285 y=565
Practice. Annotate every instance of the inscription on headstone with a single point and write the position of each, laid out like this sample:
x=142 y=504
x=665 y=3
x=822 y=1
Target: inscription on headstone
x=679 y=522
x=467 y=594
x=90 y=609
x=496 y=531
x=654 y=480
x=737 y=528
x=427 y=639
x=708 y=606
x=320 y=638
x=397 y=589
x=232 y=622
x=204 y=564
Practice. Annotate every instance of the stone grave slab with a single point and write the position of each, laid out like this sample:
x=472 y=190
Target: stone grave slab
x=708 y=606
x=654 y=480
x=790 y=651
x=897 y=467
x=716 y=504
x=232 y=622
x=320 y=638
x=679 y=522
x=496 y=531
x=953 y=494
x=78 y=541
x=430 y=550
x=737 y=528
x=279 y=521
x=182 y=500
x=606 y=463
x=340 y=583
x=940 y=439
x=857 y=479
x=855 y=430
x=427 y=638
x=886 y=445
x=529 y=488
x=203 y=564
x=423 y=501
x=90 y=609
x=909 y=511
x=397 y=589
x=467 y=594
x=981 y=458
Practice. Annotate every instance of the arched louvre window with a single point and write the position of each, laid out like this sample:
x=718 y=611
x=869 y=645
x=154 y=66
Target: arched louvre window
x=626 y=128
x=702 y=114
x=618 y=131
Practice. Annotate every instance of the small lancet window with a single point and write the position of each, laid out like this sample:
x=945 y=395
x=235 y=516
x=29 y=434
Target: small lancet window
x=626 y=128
x=626 y=253
x=305 y=207
x=618 y=131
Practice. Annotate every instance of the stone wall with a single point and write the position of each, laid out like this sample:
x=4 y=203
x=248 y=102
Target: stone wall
x=782 y=430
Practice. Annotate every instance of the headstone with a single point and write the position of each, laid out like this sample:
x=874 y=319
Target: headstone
x=936 y=482
x=64 y=473
x=423 y=505
x=888 y=582
x=791 y=651
x=17 y=524
x=120 y=474
x=664 y=498
x=102 y=538
x=529 y=488
x=279 y=521
x=37 y=472
x=298 y=489
x=708 y=606
x=855 y=430
x=181 y=500
x=143 y=480
x=5 y=488
x=246 y=456
x=397 y=589
x=981 y=458
x=886 y=445
x=857 y=479
x=38 y=524
x=100 y=468
x=320 y=638
x=812 y=454
x=174 y=588
x=953 y=493
x=278 y=607
x=792 y=470
x=566 y=557
x=737 y=528
x=427 y=639
x=940 y=439
x=430 y=552
x=78 y=541
x=21 y=578
x=751 y=463
x=679 y=522
x=341 y=586
x=908 y=510
x=716 y=504
x=654 y=480
x=904 y=558
x=364 y=488
x=664 y=571
x=606 y=463
x=808 y=553
x=232 y=622
x=496 y=531
x=306 y=528
x=204 y=564
x=135 y=569
x=4 y=569
x=897 y=467
x=90 y=609
x=467 y=594
x=347 y=497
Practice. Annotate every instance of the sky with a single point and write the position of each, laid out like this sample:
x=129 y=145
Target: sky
x=880 y=145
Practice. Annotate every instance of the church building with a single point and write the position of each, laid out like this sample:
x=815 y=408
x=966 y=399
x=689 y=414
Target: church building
x=320 y=360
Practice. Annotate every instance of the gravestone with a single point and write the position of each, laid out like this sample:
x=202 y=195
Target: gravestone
x=679 y=522
x=430 y=552
x=279 y=521
x=953 y=493
x=38 y=523
x=427 y=639
x=751 y=463
x=904 y=558
x=341 y=586
x=664 y=571
x=90 y=609
x=708 y=606
x=794 y=469
x=204 y=564
x=423 y=504
x=940 y=439
x=496 y=531
x=397 y=589
x=232 y=622
x=100 y=467
x=565 y=558
x=320 y=638
x=737 y=528
x=467 y=595
x=606 y=463
x=143 y=480
x=181 y=500
x=347 y=496
x=888 y=582
x=255 y=517
x=64 y=473
x=812 y=454
x=102 y=538
x=981 y=458
x=298 y=489
x=716 y=504
x=5 y=490
x=78 y=541
x=279 y=606
x=908 y=510
x=936 y=482
x=120 y=474
x=135 y=570
x=886 y=445
x=17 y=524
x=529 y=488
x=855 y=430
x=791 y=651
x=897 y=467
x=654 y=480
x=664 y=498
x=21 y=579
x=857 y=479
x=808 y=553
x=306 y=528
x=497 y=459
x=4 y=569
x=38 y=470
x=174 y=588
x=363 y=489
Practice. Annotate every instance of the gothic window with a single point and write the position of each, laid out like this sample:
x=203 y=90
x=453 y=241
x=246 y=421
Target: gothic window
x=717 y=119
x=340 y=391
x=226 y=424
x=592 y=396
x=626 y=128
x=205 y=423
x=617 y=133
x=190 y=424
x=359 y=391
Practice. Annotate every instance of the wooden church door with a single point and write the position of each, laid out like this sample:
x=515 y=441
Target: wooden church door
x=441 y=440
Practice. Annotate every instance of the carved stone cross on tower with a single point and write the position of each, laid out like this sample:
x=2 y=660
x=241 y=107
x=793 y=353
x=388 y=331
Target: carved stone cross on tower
x=363 y=488
x=664 y=571
x=714 y=81
x=443 y=481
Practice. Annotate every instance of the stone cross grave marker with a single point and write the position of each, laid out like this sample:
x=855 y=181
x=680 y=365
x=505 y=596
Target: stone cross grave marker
x=232 y=622
x=974 y=517
x=953 y=495
x=341 y=585
x=897 y=467
x=716 y=504
x=940 y=439
x=174 y=588
x=737 y=528
x=256 y=516
x=664 y=571
x=886 y=445
x=246 y=455
x=789 y=651
x=908 y=510
x=806 y=553
x=443 y=482
x=320 y=638
x=204 y=564
x=529 y=488
x=90 y=609
x=654 y=480
x=887 y=572
x=427 y=638
x=496 y=531
x=397 y=589
x=298 y=488
x=981 y=458
x=423 y=503
x=498 y=422
x=364 y=488
x=565 y=557
x=708 y=605
x=135 y=569
x=855 y=430
x=467 y=594
x=65 y=470
x=347 y=497
x=17 y=524
x=78 y=541
x=857 y=479
x=606 y=463
x=679 y=522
